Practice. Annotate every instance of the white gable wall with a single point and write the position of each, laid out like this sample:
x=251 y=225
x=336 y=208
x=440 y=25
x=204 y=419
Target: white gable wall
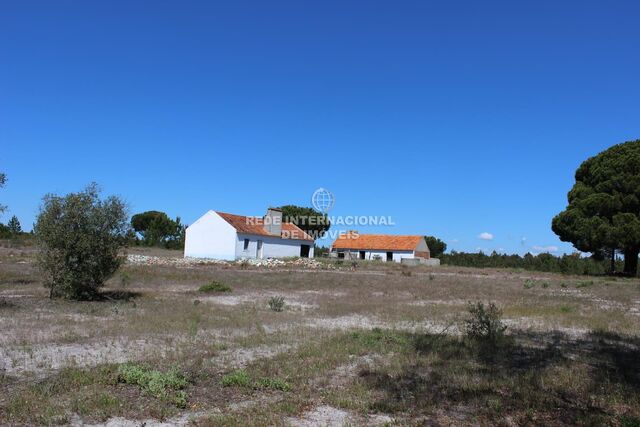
x=210 y=237
x=272 y=247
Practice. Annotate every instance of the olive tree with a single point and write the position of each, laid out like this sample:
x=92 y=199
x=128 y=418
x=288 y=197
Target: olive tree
x=80 y=237
x=603 y=213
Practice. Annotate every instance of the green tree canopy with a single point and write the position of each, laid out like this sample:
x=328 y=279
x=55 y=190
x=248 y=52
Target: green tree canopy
x=603 y=214
x=80 y=238
x=309 y=220
x=436 y=246
x=156 y=228
x=14 y=226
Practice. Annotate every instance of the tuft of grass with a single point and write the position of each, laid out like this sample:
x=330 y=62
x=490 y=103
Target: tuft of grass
x=274 y=384
x=162 y=385
x=528 y=284
x=215 y=286
x=584 y=284
x=567 y=309
x=276 y=304
x=239 y=378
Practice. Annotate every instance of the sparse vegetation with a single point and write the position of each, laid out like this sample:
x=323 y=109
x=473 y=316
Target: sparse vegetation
x=484 y=323
x=239 y=378
x=162 y=385
x=277 y=303
x=366 y=343
x=215 y=286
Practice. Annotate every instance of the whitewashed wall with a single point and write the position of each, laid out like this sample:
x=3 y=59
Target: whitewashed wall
x=272 y=247
x=397 y=255
x=210 y=237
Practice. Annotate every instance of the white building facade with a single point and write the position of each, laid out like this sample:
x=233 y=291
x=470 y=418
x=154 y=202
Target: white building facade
x=379 y=247
x=227 y=236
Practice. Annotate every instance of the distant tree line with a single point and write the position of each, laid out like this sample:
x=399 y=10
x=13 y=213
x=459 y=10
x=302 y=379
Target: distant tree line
x=565 y=264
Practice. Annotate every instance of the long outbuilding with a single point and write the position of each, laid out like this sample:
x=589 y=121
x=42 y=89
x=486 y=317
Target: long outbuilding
x=382 y=247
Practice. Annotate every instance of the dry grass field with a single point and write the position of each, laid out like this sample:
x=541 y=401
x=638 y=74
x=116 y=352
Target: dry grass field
x=380 y=345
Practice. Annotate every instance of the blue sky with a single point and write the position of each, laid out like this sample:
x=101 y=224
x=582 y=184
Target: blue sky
x=454 y=118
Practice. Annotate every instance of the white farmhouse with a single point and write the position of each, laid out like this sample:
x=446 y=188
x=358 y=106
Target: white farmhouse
x=227 y=236
x=383 y=247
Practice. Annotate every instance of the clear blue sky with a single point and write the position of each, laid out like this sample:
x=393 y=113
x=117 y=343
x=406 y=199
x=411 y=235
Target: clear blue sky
x=454 y=118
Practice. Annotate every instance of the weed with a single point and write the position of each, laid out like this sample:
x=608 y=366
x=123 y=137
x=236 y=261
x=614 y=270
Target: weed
x=528 y=284
x=545 y=285
x=431 y=276
x=215 y=286
x=162 y=385
x=584 y=284
x=125 y=279
x=276 y=304
x=274 y=384
x=566 y=309
x=239 y=378
x=484 y=323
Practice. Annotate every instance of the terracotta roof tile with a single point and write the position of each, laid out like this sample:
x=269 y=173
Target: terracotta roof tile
x=255 y=225
x=376 y=241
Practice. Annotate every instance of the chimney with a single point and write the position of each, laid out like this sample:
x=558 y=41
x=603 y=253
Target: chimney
x=273 y=222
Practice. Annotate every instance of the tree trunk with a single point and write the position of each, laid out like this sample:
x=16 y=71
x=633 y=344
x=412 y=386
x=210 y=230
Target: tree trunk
x=613 y=261
x=631 y=261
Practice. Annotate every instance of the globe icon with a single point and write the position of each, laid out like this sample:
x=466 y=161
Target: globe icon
x=323 y=200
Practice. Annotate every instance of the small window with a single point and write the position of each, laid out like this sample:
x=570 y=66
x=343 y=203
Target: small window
x=246 y=244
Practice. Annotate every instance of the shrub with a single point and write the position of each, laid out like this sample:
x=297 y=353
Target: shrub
x=215 y=286
x=276 y=304
x=484 y=323
x=241 y=378
x=80 y=239
x=162 y=385
x=528 y=284
x=238 y=377
x=274 y=384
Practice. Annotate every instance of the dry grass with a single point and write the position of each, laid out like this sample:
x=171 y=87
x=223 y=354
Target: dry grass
x=376 y=345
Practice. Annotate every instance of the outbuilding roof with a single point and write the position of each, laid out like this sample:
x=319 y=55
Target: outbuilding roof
x=255 y=225
x=383 y=242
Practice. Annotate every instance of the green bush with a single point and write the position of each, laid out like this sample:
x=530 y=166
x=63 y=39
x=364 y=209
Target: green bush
x=81 y=239
x=274 y=384
x=215 y=286
x=484 y=323
x=162 y=385
x=276 y=304
x=241 y=378
x=238 y=377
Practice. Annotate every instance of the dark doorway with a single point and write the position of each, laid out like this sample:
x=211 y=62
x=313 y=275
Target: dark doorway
x=304 y=251
x=389 y=256
x=361 y=254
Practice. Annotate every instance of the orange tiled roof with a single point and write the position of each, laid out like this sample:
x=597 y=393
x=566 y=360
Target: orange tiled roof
x=376 y=241
x=255 y=225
